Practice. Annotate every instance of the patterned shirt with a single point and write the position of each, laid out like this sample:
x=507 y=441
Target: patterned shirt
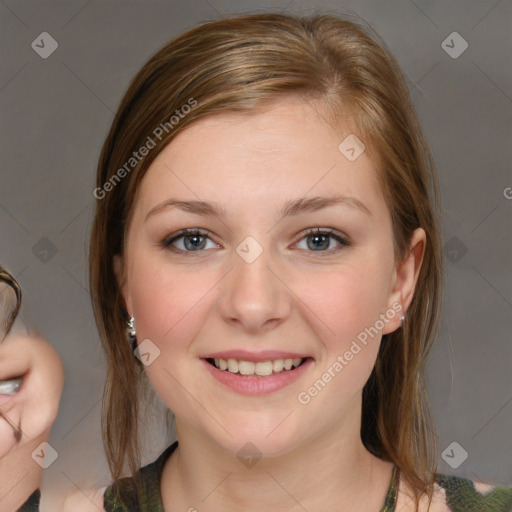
x=32 y=504
x=142 y=494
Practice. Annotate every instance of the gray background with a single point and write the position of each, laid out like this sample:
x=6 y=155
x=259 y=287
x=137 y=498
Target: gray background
x=56 y=113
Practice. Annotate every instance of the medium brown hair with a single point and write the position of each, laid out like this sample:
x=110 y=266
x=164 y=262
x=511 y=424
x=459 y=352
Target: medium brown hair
x=242 y=64
x=10 y=303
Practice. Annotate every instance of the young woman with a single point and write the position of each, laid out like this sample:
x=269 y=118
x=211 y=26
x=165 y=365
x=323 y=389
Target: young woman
x=31 y=380
x=267 y=224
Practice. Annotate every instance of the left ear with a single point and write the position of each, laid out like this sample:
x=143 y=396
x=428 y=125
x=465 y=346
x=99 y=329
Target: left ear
x=405 y=277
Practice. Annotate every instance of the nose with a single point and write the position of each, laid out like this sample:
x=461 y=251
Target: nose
x=254 y=296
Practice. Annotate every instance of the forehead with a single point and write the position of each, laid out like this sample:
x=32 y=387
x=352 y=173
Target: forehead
x=286 y=151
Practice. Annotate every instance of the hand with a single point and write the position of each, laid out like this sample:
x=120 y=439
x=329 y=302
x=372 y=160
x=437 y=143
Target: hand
x=26 y=415
x=31 y=381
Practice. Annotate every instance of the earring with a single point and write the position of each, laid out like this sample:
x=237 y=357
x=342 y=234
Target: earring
x=402 y=320
x=131 y=334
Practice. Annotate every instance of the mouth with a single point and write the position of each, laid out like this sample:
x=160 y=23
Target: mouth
x=256 y=372
x=255 y=377
x=260 y=369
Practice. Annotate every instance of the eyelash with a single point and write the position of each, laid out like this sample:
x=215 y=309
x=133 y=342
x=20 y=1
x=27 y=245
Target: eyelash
x=169 y=240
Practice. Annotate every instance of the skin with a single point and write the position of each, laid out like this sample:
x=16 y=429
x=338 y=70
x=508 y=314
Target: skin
x=292 y=298
x=34 y=407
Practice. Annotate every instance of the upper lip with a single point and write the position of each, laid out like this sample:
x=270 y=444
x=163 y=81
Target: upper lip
x=244 y=355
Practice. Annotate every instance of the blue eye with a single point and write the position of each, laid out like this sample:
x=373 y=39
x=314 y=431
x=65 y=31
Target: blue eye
x=319 y=240
x=190 y=240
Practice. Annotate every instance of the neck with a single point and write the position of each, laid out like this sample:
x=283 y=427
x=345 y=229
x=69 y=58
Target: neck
x=204 y=475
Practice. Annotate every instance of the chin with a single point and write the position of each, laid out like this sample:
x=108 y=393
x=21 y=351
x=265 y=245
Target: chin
x=253 y=440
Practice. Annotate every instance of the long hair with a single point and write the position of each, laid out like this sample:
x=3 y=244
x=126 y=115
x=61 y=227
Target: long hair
x=10 y=302
x=239 y=65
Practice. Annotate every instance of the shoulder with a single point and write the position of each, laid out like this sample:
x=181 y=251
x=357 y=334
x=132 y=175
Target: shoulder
x=84 y=500
x=455 y=494
x=463 y=495
x=139 y=492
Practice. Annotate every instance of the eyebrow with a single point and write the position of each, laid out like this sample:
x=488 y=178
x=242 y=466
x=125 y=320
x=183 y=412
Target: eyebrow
x=290 y=208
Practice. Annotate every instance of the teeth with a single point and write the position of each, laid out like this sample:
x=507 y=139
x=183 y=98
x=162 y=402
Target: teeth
x=232 y=366
x=262 y=368
x=246 y=368
x=278 y=365
x=221 y=363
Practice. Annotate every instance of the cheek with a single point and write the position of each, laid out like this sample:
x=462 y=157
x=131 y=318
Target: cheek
x=342 y=309
x=166 y=303
x=168 y=306
x=343 y=302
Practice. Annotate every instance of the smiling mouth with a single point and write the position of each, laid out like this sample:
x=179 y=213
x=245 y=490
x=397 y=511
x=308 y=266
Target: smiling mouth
x=257 y=369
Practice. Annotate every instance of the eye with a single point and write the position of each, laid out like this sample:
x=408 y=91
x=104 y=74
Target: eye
x=321 y=240
x=196 y=240
x=188 y=240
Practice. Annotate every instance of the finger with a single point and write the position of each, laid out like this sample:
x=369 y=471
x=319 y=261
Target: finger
x=11 y=433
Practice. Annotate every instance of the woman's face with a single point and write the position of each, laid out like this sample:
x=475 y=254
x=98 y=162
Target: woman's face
x=255 y=285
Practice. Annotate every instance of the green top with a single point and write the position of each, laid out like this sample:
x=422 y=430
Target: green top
x=32 y=504
x=144 y=496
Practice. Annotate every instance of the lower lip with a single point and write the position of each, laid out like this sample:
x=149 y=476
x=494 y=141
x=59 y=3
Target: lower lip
x=255 y=385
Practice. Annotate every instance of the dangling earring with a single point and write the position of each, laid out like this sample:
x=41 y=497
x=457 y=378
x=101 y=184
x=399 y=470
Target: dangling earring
x=131 y=334
x=402 y=320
